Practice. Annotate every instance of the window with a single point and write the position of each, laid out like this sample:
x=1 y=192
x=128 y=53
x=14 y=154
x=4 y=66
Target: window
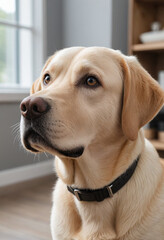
x=21 y=42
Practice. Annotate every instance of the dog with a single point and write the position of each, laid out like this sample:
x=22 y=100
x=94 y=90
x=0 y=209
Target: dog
x=88 y=108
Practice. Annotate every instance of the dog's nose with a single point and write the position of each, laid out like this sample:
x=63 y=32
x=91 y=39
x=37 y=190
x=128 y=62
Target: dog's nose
x=33 y=107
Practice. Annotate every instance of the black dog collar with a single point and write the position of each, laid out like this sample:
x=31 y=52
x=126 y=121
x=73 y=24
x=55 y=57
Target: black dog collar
x=108 y=191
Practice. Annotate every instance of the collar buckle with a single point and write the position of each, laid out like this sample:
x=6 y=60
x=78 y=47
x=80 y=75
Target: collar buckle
x=77 y=194
x=110 y=192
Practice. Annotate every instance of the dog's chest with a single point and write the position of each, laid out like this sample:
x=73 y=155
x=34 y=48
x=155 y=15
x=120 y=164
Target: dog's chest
x=98 y=220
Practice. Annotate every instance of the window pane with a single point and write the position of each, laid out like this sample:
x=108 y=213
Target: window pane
x=25 y=58
x=17 y=42
x=16 y=57
x=25 y=12
x=8 y=10
x=8 y=59
x=17 y=11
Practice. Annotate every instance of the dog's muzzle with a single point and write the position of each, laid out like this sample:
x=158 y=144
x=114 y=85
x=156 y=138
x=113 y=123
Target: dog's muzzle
x=33 y=110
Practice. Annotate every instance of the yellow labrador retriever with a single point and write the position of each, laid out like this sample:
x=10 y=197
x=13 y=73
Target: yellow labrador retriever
x=87 y=108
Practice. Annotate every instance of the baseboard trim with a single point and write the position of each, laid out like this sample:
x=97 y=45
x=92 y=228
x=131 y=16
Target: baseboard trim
x=26 y=173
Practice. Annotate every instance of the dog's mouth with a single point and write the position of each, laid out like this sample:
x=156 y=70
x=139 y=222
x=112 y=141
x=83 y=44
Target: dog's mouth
x=35 y=142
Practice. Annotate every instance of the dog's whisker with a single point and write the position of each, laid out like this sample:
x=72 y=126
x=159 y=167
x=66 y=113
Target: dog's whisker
x=17 y=137
x=45 y=154
x=15 y=127
x=37 y=157
x=15 y=131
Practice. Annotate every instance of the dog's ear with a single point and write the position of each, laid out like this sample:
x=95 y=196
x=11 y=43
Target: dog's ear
x=142 y=97
x=36 y=86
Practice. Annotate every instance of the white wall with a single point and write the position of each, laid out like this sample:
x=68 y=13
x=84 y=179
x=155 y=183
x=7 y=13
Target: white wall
x=120 y=25
x=54 y=26
x=86 y=23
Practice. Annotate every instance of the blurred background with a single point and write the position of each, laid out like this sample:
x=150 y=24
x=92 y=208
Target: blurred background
x=31 y=31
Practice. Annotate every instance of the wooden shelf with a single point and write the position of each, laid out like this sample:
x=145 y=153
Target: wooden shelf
x=157 y=144
x=148 y=47
x=151 y=1
x=142 y=13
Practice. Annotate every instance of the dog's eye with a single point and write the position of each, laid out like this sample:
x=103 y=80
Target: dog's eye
x=46 y=79
x=92 y=81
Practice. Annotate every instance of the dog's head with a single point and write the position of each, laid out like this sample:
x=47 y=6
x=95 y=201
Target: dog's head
x=87 y=96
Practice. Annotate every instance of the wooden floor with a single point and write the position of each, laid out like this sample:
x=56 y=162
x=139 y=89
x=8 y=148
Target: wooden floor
x=25 y=213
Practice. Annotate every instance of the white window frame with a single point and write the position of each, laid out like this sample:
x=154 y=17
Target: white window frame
x=39 y=50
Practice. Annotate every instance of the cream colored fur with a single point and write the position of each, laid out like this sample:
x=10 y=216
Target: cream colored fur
x=107 y=121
